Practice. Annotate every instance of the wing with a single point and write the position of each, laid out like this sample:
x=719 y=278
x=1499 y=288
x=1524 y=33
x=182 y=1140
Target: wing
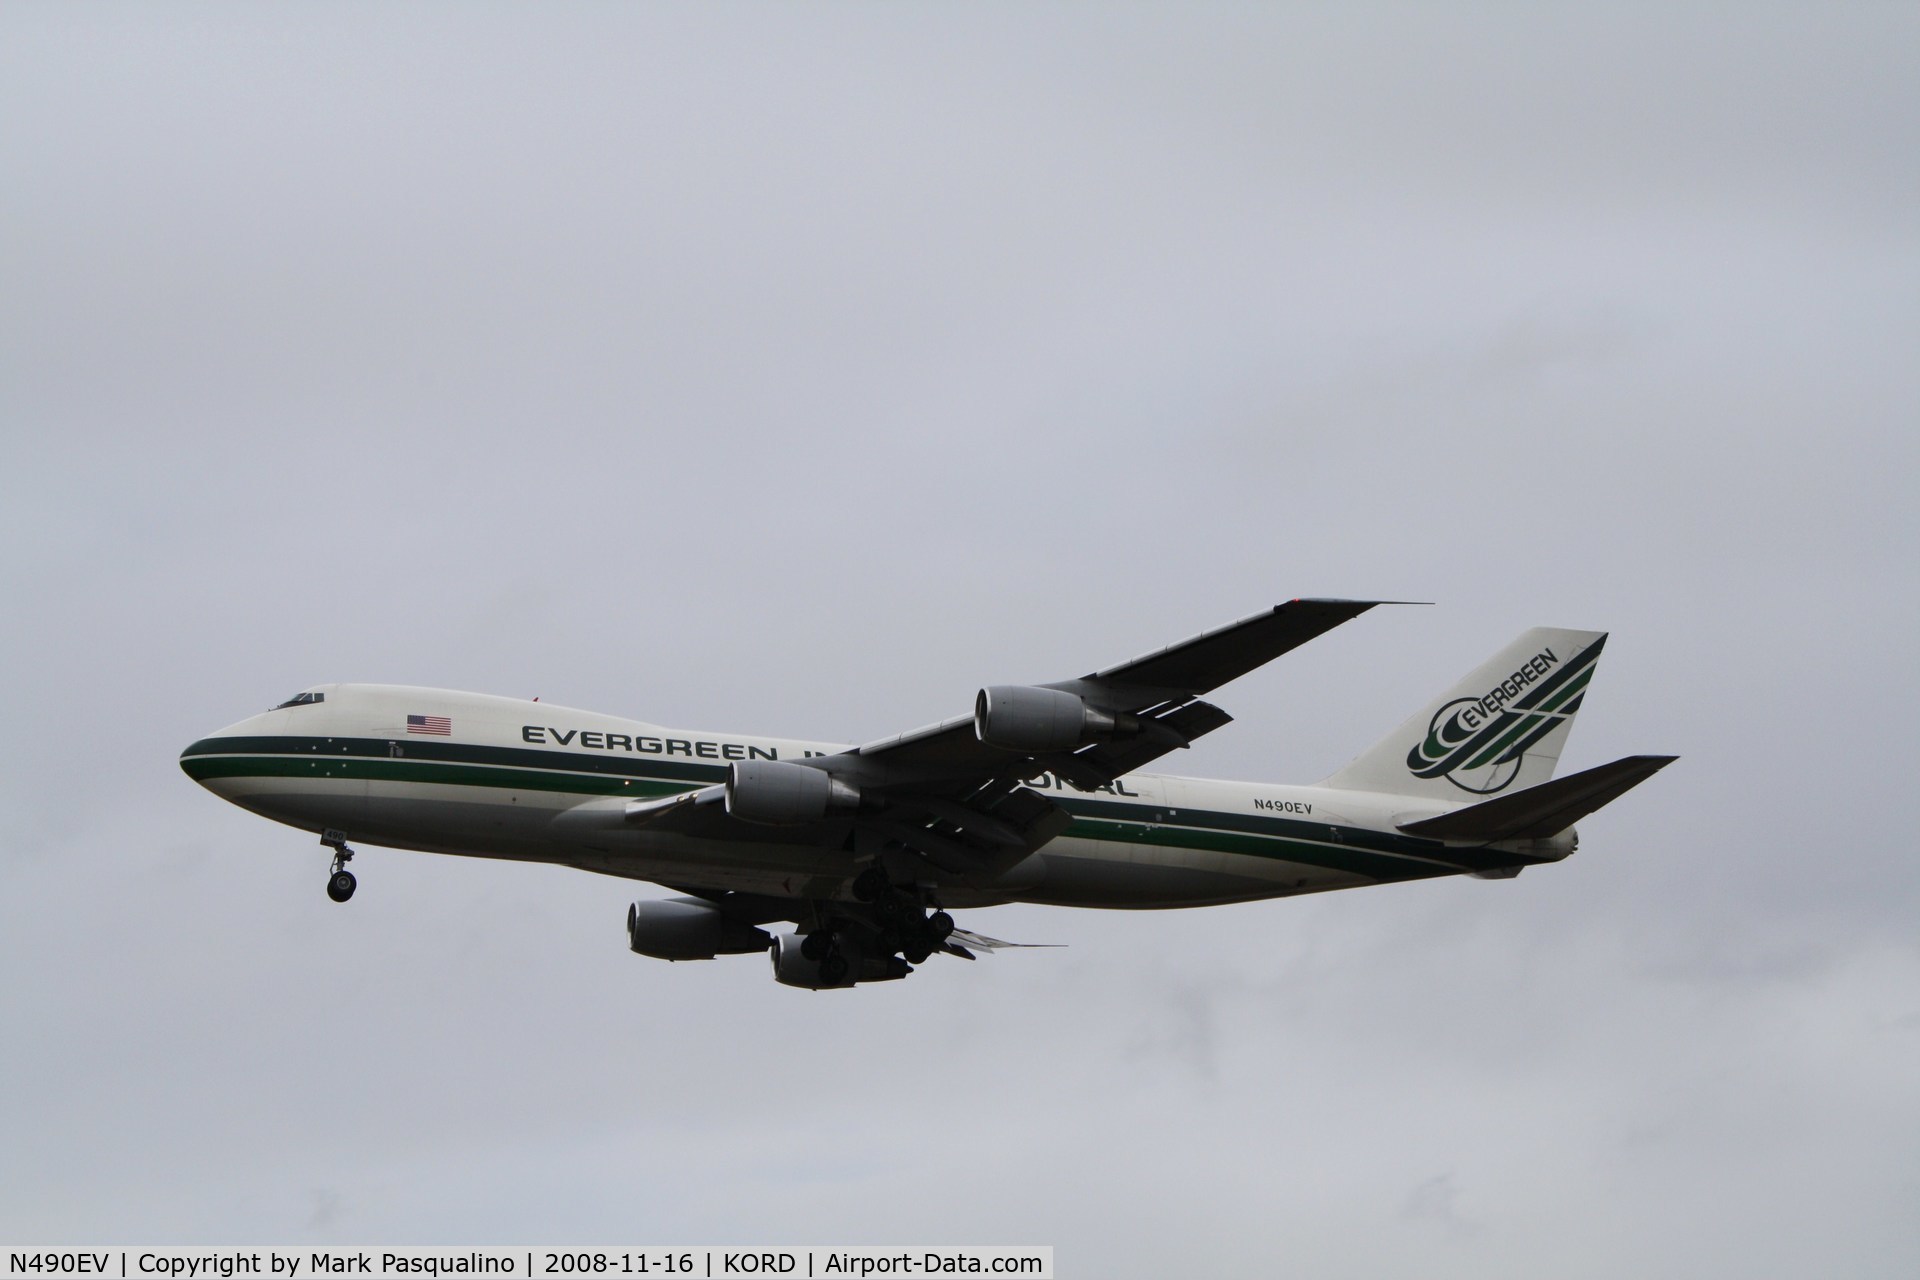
x=951 y=794
x=963 y=943
x=1158 y=693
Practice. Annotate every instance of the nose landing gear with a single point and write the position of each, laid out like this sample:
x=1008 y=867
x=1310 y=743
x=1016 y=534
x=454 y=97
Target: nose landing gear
x=340 y=881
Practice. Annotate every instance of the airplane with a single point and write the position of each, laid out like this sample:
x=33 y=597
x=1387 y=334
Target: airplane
x=1036 y=796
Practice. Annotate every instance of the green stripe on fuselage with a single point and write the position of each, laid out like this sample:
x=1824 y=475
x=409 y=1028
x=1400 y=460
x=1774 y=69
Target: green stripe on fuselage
x=1376 y=854
x=459 y=775
x=1363 y=862
x=619 y=766
x=1186 y=827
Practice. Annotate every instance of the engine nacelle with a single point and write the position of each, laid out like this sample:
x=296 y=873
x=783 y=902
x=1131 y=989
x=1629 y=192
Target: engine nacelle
x=781 y=794
x=1036 y=721
x=689 y=929
x=792 y=967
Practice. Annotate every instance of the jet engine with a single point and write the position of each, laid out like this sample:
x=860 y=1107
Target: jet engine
x=780 y=794
x=845 y=966
x=689 y=929
x=1036 y=721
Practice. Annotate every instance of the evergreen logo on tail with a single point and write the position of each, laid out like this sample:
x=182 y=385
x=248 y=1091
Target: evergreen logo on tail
x=1477 y=743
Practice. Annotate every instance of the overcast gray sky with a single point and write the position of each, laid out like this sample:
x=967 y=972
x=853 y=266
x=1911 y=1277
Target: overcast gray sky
x=800 y=368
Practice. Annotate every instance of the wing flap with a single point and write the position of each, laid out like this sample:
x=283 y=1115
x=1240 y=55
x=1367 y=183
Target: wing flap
x=963 y=943
x=1102 y=762
x=976 y=840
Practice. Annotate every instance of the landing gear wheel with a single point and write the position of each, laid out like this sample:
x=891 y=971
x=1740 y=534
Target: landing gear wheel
x=340 y=881
x=833 y=969
x=869 y=885
x=917 y=955
x=940 y=924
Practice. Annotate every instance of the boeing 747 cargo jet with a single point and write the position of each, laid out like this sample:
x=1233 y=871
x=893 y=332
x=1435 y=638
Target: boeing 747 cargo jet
x=863 y=851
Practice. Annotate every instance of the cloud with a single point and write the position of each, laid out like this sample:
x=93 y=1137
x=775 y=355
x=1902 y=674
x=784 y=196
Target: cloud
x=801 y=372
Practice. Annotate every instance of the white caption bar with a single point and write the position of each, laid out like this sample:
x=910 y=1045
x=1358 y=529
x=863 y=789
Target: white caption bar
x=693 y=1262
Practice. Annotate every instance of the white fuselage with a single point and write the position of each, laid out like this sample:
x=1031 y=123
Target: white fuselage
x=486 y=776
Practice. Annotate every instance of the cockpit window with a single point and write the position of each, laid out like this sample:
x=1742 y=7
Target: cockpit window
x=302 y=700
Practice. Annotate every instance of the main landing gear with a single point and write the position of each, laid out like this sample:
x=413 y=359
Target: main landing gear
x=340 y=881
x=906 y=927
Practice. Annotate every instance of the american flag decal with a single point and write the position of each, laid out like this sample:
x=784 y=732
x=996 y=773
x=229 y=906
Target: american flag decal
x=441 y=725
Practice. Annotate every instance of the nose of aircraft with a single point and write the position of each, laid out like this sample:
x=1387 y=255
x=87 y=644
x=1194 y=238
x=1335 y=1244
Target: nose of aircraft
x=197 y=761
x=203 y=758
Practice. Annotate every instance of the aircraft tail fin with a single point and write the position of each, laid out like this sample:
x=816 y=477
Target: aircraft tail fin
x=1543 y=811
x=1500 y=728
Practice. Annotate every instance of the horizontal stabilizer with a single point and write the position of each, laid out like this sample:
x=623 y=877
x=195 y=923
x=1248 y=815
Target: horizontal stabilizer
x=1542 y=811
